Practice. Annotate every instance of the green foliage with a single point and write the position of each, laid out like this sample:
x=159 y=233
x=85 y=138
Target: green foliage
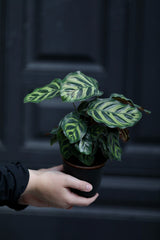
x=74 y=127
x=87 y=160
x=64 y=144
x=77 y=87
x=114 y=148
x=113 y=113
x=103 y=146
x=96 y=130
x=54 y=137
x=83 y=107
x=121 y=98
x=85 y=145
x=47 y=92
x=96 y=126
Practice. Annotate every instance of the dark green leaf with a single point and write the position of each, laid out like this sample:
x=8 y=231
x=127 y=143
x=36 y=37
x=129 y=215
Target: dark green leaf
x=114 y=147
x=82 y=108
x=73 y=127
x=53 y=139
x=64 y=144
x=54 y=131
x=96 y=130
x=103 y=146
x=88 y=160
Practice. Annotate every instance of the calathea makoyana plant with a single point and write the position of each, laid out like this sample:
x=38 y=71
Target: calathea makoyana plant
x=96 y=125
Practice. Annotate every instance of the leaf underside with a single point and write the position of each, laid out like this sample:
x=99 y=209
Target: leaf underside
x=121 y=98
x=124 y=134
x=85 y=145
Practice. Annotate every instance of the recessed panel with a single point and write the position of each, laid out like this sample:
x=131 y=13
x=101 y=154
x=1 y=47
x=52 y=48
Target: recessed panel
x=70 y=29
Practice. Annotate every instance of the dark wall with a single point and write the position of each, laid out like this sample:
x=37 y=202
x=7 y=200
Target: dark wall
x=115 y=41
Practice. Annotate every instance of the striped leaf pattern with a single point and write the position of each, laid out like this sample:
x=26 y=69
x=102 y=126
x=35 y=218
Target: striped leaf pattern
x=121 y=98
x=113 y=145
x=87 y=160
x=113 y=113
x=64 y=144
x=74 y=127
x=103 y=146
x=85 y=145
x=96 y=130
x=77 y=87
x=47 y=92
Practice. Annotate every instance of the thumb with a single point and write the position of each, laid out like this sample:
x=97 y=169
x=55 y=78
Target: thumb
x=75 y=183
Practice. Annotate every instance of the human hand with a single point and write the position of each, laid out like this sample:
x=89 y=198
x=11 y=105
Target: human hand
x=51 y=188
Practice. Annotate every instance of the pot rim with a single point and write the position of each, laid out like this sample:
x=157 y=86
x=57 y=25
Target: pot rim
x=84 y=167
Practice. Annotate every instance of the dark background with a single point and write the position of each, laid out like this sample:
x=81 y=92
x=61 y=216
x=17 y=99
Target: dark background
x=118 y=43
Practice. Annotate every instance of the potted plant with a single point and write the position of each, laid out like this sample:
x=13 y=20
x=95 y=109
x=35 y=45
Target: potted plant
x=90 y=134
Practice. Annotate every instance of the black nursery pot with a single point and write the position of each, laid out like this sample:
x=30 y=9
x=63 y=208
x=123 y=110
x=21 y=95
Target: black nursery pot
x=90 y=174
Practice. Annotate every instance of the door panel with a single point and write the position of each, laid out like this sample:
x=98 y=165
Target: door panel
x=117 y=42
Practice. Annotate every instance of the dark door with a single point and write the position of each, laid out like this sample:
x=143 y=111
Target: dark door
x=115 y=41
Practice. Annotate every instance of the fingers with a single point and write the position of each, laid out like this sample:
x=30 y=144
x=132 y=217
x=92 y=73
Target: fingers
x=82 y=201
x=75 y=183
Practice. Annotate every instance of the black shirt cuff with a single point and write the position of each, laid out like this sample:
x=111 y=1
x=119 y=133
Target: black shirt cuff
x=14 y=178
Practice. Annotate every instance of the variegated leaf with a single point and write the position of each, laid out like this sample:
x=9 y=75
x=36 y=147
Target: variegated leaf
x=121 y=98
x=85 y=145
x=103 y=146
x=113 y=113
x=73 y=127
x=96 y=130
x=47 y=92
x=87 y=160
x=77 y=87
x=114 y=148
x=64 y=144
x=54 y=137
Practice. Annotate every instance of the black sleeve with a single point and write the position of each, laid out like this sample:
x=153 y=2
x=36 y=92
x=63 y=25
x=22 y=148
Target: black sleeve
x=14 y=178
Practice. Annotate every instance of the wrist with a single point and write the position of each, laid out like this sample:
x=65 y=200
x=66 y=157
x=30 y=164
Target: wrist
x=31 y=187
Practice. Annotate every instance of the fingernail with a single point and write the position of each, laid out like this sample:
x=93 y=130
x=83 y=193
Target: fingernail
x=88 y=187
